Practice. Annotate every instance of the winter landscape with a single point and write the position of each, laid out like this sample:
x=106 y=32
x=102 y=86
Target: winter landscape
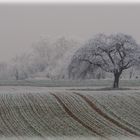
x=69 y=72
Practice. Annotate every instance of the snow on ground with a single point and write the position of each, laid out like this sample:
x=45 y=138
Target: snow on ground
x=33 y=89
x=70 y=138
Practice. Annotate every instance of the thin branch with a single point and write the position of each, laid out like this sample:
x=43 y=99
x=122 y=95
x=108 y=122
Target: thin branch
x=111 y=58
x=87 y=60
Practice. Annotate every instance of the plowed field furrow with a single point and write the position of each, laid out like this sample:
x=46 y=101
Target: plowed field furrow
x=109 y=106
x=106 y=116
x=134 y=104
x=81 y=112
x=117 y=110
x=46 y=112
x=42 y=128
x=75 y=117
x=131 y=115
x=44 y=117
x=81 y=109
x=6 y=117
x=135 y=101
x=66 y=125
x=29 y=116
x=22 y=123
x=3 y=125
x=16 y=122
x=86 y=116
x=2 y=128
x=107 y=126
x=27 y=121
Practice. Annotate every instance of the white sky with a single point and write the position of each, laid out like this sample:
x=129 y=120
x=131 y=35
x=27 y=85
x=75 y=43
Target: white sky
x=70 y=1
x=23 y=24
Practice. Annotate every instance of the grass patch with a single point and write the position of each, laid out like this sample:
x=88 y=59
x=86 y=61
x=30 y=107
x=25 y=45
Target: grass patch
x=70 y=83
x=101 y=89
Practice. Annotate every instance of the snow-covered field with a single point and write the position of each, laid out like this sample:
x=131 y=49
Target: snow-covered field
x=34 y=89
x=70 y=138
x=30 y=112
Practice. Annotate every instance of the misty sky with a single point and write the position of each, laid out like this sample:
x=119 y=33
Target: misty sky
x=22 y=25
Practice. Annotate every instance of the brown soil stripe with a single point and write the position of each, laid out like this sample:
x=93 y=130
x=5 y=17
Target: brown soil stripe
x=125 y=122
x=34 y=100
x=75 y=117
x=93 y=106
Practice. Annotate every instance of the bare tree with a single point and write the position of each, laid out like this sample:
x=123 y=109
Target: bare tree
x=114 y=54
x=83 y=70
x=62 y=50
x=20 y=66
x=4 y=71
x=41 y=55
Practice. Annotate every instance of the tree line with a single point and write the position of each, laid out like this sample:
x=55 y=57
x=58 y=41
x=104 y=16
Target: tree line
x=70 y=59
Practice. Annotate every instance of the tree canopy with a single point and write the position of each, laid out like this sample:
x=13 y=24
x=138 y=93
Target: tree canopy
x=112 y=53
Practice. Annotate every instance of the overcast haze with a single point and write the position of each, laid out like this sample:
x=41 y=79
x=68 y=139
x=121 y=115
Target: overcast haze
x=22 y=25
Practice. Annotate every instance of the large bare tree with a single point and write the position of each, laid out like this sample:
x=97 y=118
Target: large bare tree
x=113 y=53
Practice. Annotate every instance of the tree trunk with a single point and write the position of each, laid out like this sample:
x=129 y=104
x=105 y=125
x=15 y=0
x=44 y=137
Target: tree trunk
x=116 y=80
x=17 y=75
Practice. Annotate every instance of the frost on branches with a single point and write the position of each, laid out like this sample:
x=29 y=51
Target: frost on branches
x=112 y=53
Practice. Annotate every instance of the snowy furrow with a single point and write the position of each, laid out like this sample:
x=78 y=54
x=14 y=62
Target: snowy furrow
x=65 y=124
x=117 y=109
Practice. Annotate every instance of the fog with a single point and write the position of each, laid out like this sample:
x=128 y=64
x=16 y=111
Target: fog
x=22 y=25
